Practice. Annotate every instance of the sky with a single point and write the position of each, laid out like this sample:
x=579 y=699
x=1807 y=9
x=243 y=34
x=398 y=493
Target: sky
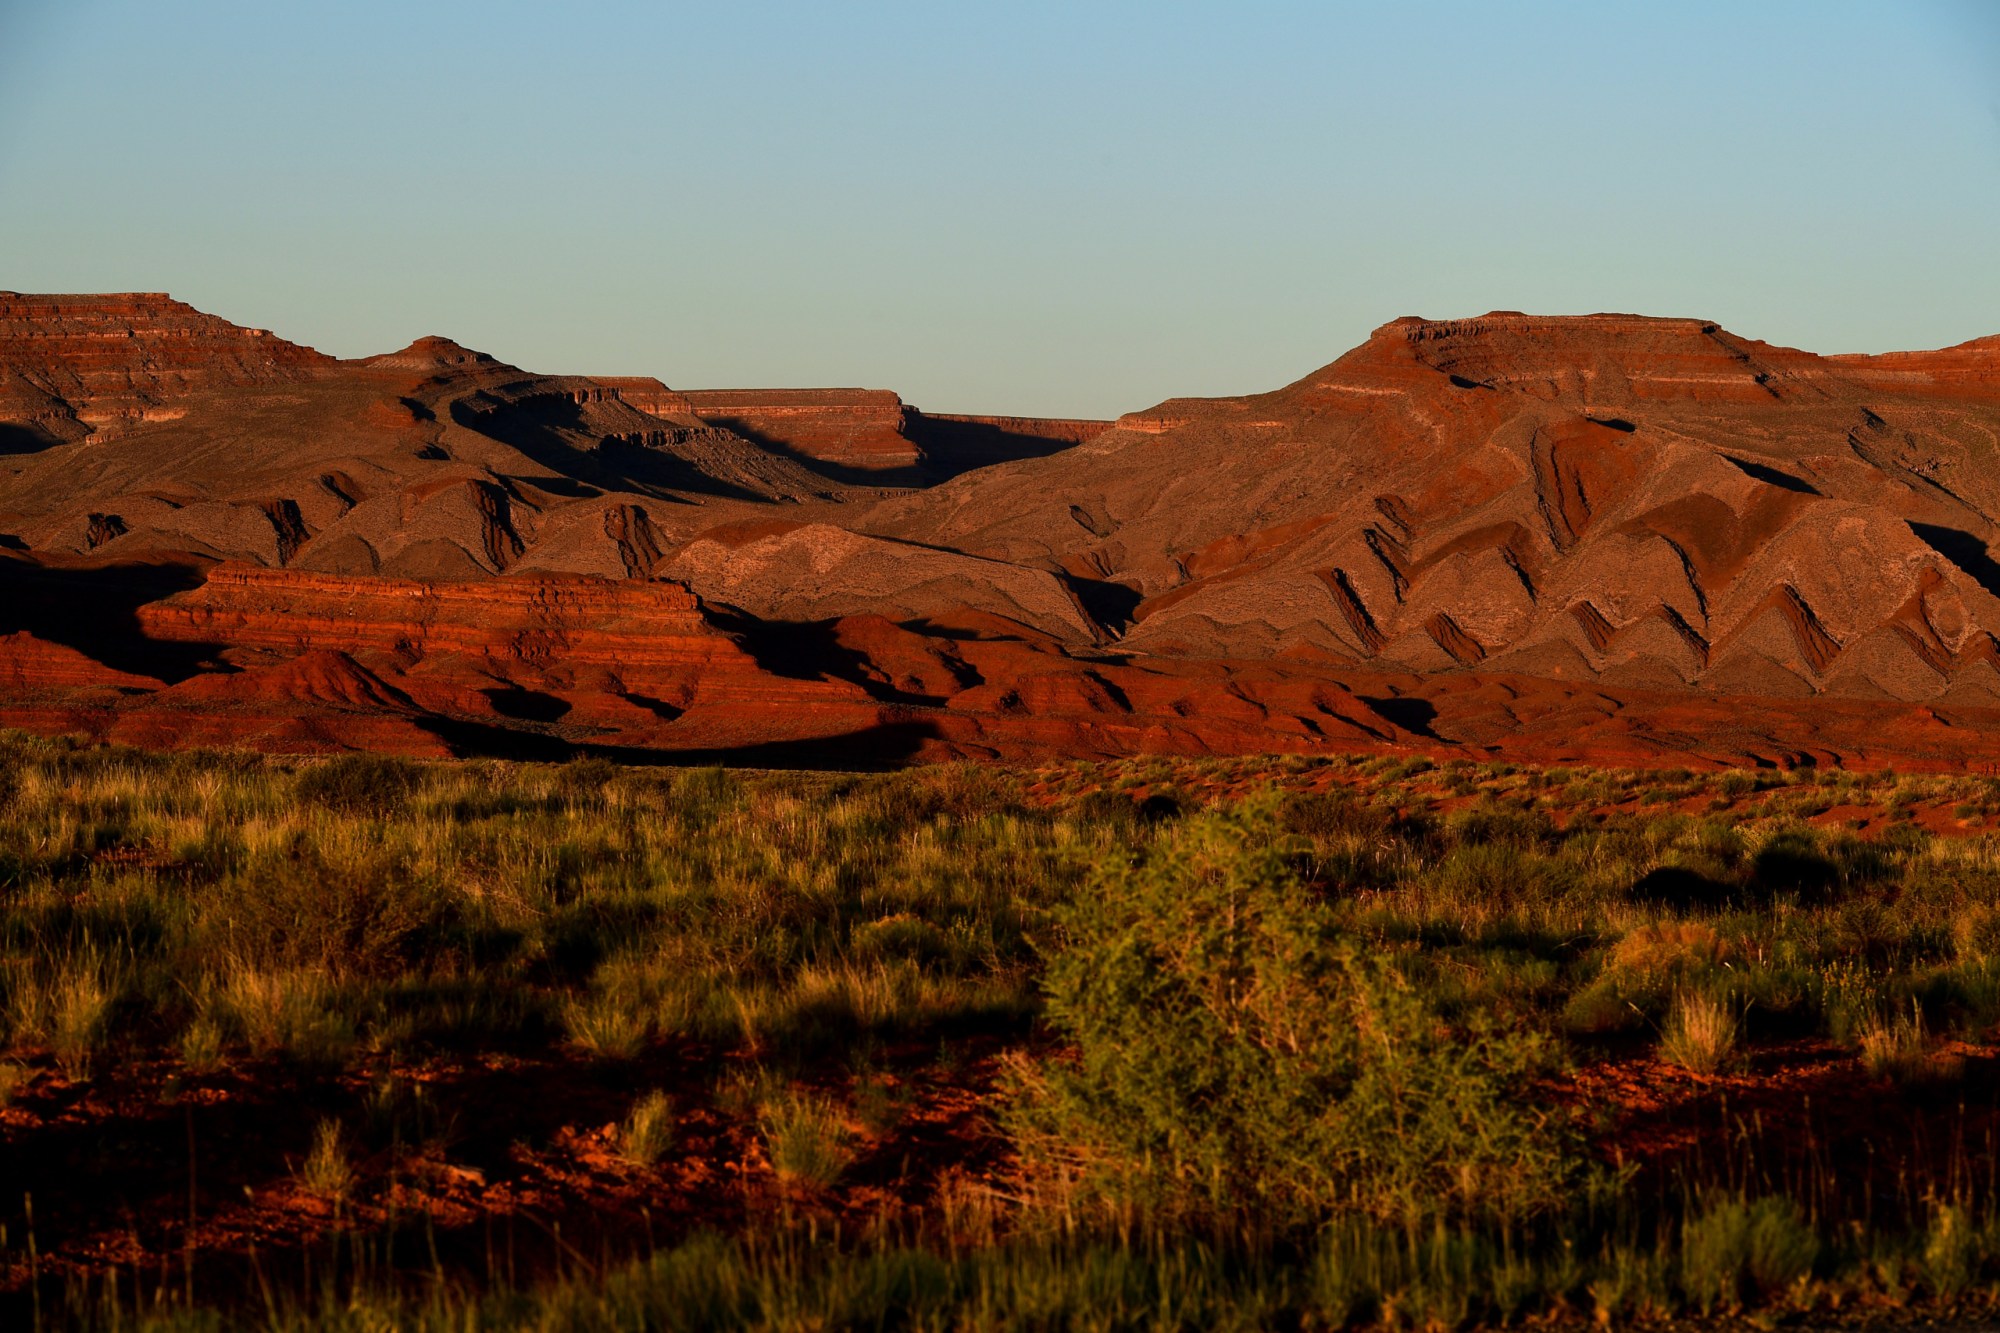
x=1068 y=208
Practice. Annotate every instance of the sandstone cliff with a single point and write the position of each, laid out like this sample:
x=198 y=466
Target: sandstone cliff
x=1606 y=536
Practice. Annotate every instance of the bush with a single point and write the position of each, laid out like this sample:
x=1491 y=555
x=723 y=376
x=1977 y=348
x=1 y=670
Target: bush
x=360 y=784
x=293 y=1014
x=1738 y=1248
x=1792 y=862
x=584 y=781
x=1491 y=823
x=1898 y=1049
x=1240 y=1062
x=299 y=908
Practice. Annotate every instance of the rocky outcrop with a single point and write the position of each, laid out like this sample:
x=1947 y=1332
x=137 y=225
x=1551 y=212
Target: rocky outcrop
x=1737 y=518
x=1589 y=537
x=644 y=630
x=821 y=572
x=874 y=430
x=858 y=428
x=71 y=365
x=648 y=395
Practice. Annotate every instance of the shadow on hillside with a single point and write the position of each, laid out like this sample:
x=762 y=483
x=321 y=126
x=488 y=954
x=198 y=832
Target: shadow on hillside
x=886 y=745
x=1964 y=550
x=1111 y=605
x=553 y=432
x=907 y=477
x=19 y=439
x=811 y=650
x=1771 y=476
x=947 y=448
x=1412 y=715
x=95 y=611
x=952 y=447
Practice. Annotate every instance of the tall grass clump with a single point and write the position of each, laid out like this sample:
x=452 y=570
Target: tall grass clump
x=806 y=1140
x=1738 y=1249
x=64 y=1002
x=648 y=1131
x=1700 y=1032
x=327 y=1170
x=1242 y=1062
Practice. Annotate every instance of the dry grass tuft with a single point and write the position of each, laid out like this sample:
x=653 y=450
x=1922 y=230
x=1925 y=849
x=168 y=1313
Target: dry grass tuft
x=1662 y=947
x=648 y=1131
x=1700 y=1034
x=806 y=1140
x=327 y=1171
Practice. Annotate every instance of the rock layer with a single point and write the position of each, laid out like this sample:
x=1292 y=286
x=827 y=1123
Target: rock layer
x=1607 y=537
x=73 y=365
x=1648 y=502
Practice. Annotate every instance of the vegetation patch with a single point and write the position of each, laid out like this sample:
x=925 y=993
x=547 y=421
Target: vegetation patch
x=1167 y=1044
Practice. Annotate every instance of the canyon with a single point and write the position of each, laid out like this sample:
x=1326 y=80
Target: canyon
x=1603 y=538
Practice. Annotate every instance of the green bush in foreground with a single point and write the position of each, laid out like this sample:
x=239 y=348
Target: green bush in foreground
x=1241 y=1061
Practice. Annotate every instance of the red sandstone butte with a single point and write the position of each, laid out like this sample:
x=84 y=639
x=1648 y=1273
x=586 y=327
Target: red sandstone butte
x=1607 y=537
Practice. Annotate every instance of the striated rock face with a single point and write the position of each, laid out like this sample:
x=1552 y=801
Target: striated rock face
x=70 y=365
x=1970 y=369
x=1602 y=537
x=648 y=395
x=571 y=623
x=1638 y=502
x=876 y=431
x=34 y=666
x=820 y=572
x=860 y=428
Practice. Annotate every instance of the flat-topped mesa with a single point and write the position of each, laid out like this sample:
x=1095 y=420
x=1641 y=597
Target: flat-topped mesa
x=574 y=620
x=1971 y=368
x=1605 y=357
x=862 y=428
x=1066 y=430
x=1172 y=414
x=647 y=394
x=70 y=364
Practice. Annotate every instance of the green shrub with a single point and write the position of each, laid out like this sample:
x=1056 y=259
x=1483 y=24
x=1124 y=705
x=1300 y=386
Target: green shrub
x=1951 y=1251
x=1737 y=1249
x=360 y=784
x=301 y=908
x=1241 y=1062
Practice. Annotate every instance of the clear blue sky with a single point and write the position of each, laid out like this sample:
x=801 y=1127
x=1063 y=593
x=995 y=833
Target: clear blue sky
x=1032 y=207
